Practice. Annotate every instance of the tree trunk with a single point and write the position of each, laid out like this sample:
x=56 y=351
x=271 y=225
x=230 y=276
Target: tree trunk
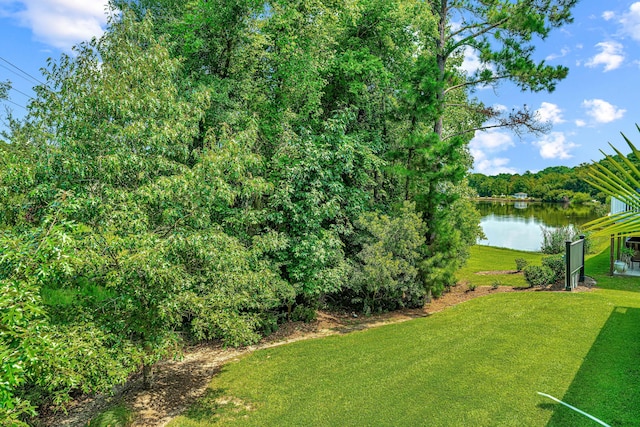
x=147 y=376
x=441 y=58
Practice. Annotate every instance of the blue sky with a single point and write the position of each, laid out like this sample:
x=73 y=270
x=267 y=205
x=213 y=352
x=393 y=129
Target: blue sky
x=598 y=100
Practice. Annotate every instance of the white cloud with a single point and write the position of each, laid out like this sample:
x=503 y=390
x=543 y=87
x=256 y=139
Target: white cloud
x=499 y=108
x=493 y=166
x=471 y=62
x=563 y=52
x=611 y=56
x=608 y=15
x=492 y=141
x=549 y=113
x=59 y=23
x=488 y=142
x=581 y=123
x=602 y=111
x=555 y=146
x=631 y=21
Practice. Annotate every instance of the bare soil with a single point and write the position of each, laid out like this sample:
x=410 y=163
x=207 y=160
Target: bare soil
x=179 y=383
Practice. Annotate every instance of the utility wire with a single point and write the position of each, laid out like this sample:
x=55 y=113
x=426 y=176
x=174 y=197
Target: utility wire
x=33 y=82
x=18 y=105
x=21 y=92
x=21 y=70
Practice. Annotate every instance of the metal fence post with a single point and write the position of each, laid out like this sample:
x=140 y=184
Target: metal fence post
x=567 y=259
x=584 y=244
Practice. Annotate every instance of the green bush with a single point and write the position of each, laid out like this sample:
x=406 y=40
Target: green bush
x=554 y=239
x=303 y=313
x=521 y=263
x=385 y=274
x=579 y=197
x=557 y=264
x=538 y=275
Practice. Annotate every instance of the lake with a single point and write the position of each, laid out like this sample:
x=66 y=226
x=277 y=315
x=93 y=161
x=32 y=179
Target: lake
x=518 y=225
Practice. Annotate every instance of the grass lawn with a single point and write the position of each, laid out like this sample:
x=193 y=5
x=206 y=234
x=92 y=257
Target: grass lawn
x=488 y=258
x=476 y=364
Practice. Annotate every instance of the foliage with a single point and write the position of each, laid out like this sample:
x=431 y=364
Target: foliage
x=580 y=197
x=115 y=195
x=553 y=184
x=501 y=32
x=620 y=178
x=454 y=232
x=324 y=177
x=385 y=275
x=206 y=167
x=4 y=89
x=538 y=275
x=557 y=265
x=521 y=263
x=303 y=313
x=554 y=239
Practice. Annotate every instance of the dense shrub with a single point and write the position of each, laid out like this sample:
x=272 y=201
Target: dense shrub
x=580 y=197
x=538 y=275
x=521 y=263
x=554 y=239
x=385 y=273
x=557 y=264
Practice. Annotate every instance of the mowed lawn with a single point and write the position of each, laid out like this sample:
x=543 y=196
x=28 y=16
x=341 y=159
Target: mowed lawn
x=476 y=364
x=489 y=258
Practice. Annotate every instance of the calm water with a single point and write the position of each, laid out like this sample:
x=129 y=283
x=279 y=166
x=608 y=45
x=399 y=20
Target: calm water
x=518 y=225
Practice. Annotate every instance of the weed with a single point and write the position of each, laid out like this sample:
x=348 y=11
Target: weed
x=521 y=263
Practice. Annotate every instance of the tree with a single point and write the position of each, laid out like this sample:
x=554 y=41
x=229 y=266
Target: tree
x=113 y=228
x=501 y=32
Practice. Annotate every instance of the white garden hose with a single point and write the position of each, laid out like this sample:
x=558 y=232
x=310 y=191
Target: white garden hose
x=576 y=409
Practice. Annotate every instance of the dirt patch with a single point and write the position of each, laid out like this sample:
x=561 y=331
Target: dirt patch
x=490 y=273
x=180 y=383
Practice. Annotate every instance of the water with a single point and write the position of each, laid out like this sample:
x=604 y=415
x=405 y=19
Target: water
x=518 y=225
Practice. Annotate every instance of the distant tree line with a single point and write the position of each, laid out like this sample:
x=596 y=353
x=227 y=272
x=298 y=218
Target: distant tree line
x=553 y=184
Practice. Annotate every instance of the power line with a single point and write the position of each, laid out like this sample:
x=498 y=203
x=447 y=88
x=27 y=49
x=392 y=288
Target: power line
x=11 y=102
x=19 y=75
x=21 y=92
x=21 y=70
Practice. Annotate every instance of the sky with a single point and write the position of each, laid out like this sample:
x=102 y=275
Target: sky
x=590 y=108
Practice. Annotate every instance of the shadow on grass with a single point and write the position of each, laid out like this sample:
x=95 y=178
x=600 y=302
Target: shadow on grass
x=607 y=386
x=207 y=407
x=216 y=407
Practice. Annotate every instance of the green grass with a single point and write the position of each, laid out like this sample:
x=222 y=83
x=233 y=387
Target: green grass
x=479 y=363
x=598 y=267
x=488 y=258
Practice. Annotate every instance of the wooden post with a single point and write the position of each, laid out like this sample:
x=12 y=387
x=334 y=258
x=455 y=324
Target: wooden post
x=618 y=253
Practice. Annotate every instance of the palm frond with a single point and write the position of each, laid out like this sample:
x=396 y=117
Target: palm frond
x=621 y=179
